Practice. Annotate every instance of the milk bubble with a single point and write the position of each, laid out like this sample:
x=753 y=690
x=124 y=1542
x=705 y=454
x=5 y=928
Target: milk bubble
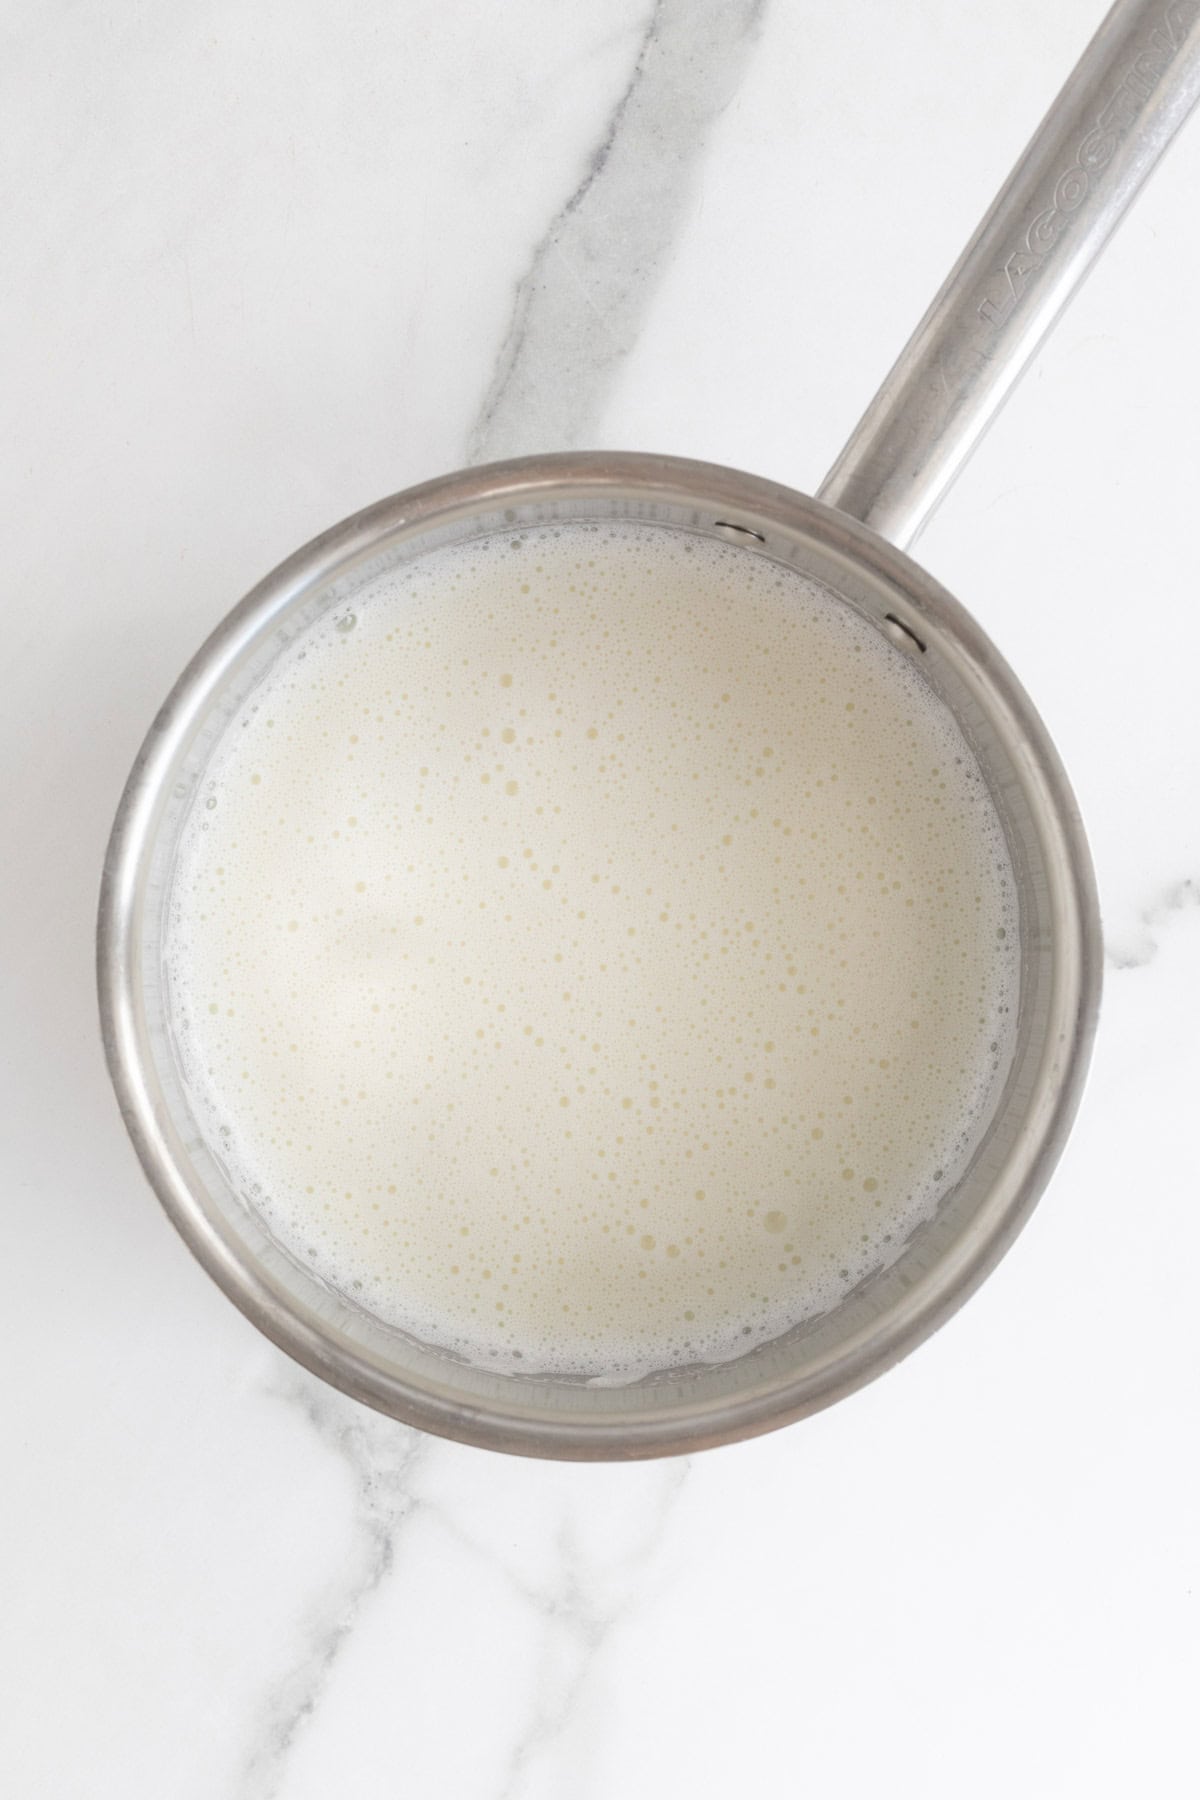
x=601 y=953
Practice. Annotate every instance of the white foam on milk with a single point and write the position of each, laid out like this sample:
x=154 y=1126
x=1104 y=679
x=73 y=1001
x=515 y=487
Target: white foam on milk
x=597 y=949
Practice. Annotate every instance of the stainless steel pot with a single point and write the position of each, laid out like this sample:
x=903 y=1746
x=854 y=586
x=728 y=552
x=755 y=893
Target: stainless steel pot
x=1130 y=92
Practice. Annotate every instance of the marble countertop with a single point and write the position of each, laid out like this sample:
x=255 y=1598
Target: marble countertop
x=263 y=264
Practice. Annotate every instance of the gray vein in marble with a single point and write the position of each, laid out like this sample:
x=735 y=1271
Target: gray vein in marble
x=577 y=1622
x=576 y=315
x=580 y=304
x=1141 y=949
x=382 y=1457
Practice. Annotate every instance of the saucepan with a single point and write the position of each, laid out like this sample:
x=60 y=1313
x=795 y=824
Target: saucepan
x=1132 y=89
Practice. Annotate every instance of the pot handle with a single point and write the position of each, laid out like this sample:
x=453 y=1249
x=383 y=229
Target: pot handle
x=1131 y=90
